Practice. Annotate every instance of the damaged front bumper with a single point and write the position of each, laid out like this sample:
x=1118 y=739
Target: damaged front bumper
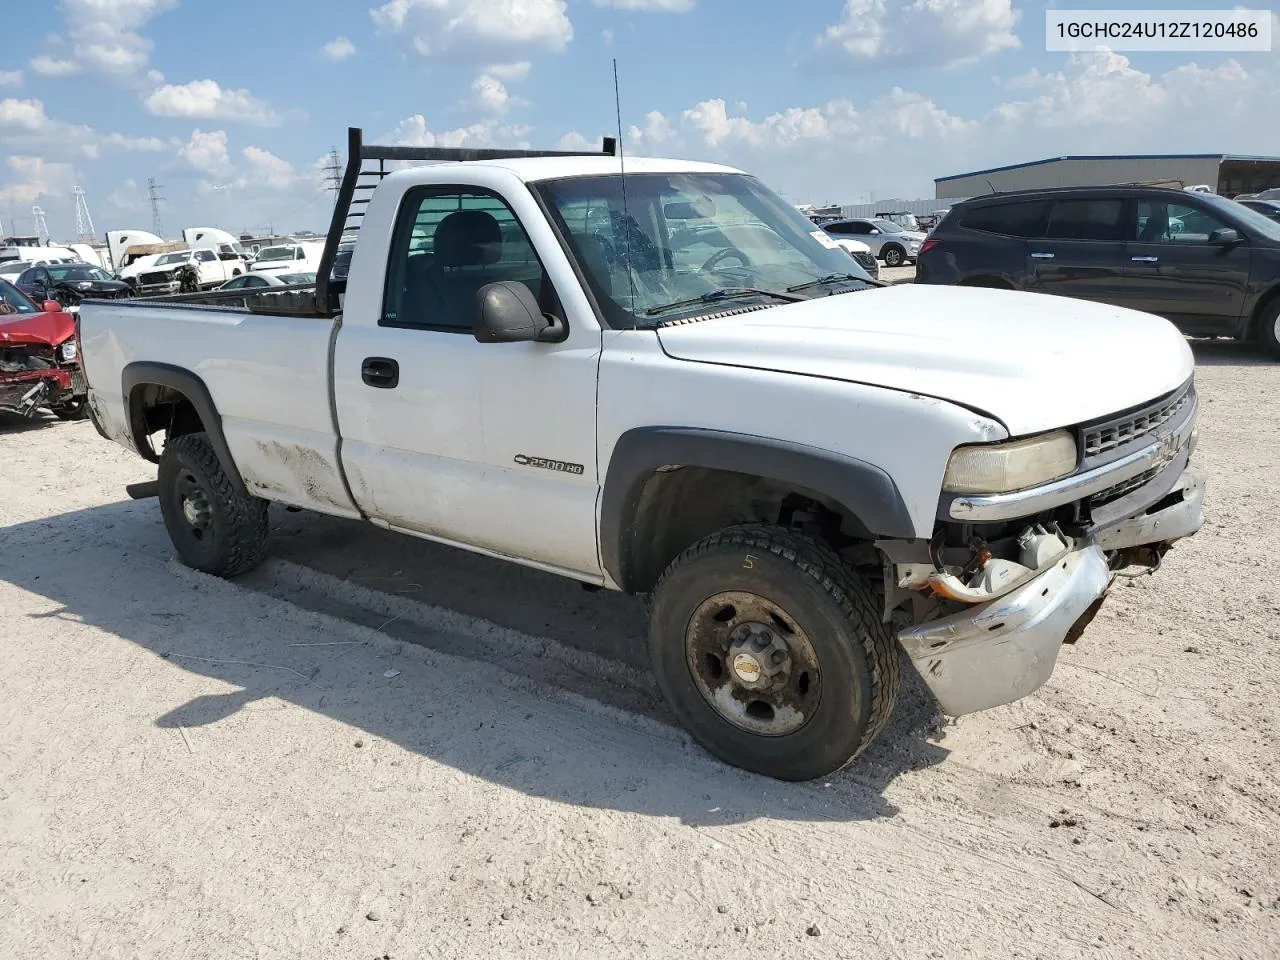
x=998 y=652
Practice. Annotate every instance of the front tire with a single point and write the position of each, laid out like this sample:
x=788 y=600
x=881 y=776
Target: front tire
x=772 y=653
x=894 y=256
x=214 y=527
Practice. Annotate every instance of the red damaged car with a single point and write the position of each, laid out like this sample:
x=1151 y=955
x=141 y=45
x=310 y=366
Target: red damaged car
x=39 y=367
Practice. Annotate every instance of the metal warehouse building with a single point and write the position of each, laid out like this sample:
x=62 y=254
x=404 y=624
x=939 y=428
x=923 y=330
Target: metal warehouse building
x=1227 y=174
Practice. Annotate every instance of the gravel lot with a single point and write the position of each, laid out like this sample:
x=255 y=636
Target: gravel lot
x=378 y=747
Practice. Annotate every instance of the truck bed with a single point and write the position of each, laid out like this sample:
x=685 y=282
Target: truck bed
x=269 y=375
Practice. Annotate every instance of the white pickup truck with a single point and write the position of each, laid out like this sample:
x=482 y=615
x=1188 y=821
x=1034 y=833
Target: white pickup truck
x=676 y=387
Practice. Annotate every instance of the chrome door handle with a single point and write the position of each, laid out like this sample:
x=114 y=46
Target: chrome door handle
x=1145 y=259
x=1042 y=256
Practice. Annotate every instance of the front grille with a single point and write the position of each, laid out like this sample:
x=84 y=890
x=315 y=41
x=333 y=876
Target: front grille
x=1122 y=489
x=150 y=278
x=79 y=386
x=867 y=261
x=1107 y=435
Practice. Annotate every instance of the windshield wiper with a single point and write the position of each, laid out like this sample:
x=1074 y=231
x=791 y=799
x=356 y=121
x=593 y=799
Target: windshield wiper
x=727 y=293
x=832 y=278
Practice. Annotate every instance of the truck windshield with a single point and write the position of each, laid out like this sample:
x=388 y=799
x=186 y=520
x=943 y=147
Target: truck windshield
x=180 y=257
x=689 y=239
x=276 y=253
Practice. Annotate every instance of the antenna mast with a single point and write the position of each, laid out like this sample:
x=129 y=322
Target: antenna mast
x=42 y=228
x=84 y=222
x=155 y=199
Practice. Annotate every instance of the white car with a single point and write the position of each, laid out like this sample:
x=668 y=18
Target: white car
x=888 y=241
x=805 y=470
x=263 y=281
x=288 y=258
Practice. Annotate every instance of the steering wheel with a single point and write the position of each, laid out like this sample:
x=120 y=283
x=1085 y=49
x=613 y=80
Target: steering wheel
x=728 y=253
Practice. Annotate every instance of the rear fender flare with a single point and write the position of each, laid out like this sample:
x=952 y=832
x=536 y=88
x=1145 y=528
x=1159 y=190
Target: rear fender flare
x=866 y=491
x=194 y=389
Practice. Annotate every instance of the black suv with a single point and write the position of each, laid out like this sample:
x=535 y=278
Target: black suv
x=1209 y=265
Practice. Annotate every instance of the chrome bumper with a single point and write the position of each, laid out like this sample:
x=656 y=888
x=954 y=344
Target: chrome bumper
x=1003 y=650
x=1183 y=518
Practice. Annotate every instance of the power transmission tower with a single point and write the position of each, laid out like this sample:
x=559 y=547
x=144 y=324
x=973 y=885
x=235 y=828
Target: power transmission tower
x=84 y=222
x=154 y=197
x=333 y=173
x=42 y=228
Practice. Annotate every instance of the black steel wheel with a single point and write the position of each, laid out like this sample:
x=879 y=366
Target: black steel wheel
x=772 y=653
x=213 y=527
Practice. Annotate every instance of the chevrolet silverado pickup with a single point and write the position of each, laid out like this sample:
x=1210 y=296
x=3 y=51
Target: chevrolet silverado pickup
x=663 y=379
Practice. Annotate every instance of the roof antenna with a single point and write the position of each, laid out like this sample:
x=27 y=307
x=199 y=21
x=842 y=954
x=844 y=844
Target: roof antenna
x=622 y=173
x=993 y=189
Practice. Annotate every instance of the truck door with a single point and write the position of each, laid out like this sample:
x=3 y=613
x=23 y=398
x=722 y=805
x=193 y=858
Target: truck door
x=485 y=445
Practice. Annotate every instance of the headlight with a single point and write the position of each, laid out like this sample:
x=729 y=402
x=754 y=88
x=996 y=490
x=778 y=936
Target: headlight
x=67 y=352
x=1015 y=465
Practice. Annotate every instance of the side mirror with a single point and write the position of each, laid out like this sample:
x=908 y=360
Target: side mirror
x=52 y=306
x=1224 y=237
x=875 y=232
x=506 y=312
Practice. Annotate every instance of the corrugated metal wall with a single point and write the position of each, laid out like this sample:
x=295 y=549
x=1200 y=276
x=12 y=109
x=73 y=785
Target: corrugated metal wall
x=892 y=206
x=1086 y=173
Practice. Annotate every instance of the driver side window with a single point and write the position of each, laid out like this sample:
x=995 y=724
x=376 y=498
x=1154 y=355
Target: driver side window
x=448 y=243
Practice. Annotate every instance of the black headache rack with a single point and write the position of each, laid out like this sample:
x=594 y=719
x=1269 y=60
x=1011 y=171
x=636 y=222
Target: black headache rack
x=358 y=183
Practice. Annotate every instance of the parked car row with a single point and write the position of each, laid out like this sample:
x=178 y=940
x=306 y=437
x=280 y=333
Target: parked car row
x=1209 y=265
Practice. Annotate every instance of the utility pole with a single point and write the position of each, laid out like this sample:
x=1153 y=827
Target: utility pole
x=84 y=222
x=153 y=195
x=333 y=173
x=42 y=228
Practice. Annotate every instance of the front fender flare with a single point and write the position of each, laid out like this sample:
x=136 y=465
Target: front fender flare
x=862 y=488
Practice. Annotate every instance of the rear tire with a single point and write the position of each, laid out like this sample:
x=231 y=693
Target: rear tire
x=821 y=668
x=214 y=527
x=894 y=256
x=1269 y=329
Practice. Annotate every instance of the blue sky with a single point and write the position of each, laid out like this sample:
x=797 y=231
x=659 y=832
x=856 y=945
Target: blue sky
x=232 y=105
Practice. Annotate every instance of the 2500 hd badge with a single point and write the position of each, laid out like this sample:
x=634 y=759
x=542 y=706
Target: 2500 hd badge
x=542 y=463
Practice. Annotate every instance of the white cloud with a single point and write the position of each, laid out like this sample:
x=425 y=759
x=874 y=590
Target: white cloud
x=413 y=132
x=35 y=177
x=104 y=37
x=207 y=152
x=607 y=37
x=669 y=6
x=785 y=128
x=25 y=126
x=47 y=66
x=267 y=169
x=928 y=32
x=440 y=27
x=657 y=131
x=509 y=71
x=338 y=49
x=206 y=100
x=10 y=78
x=573 y=140
x=489 y=95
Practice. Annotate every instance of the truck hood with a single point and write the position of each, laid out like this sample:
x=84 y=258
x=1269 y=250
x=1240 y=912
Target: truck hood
x=43 y=329
x=1031 y=361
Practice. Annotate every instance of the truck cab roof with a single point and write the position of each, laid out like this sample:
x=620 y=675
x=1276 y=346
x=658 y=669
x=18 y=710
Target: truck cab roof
x=534 y=169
